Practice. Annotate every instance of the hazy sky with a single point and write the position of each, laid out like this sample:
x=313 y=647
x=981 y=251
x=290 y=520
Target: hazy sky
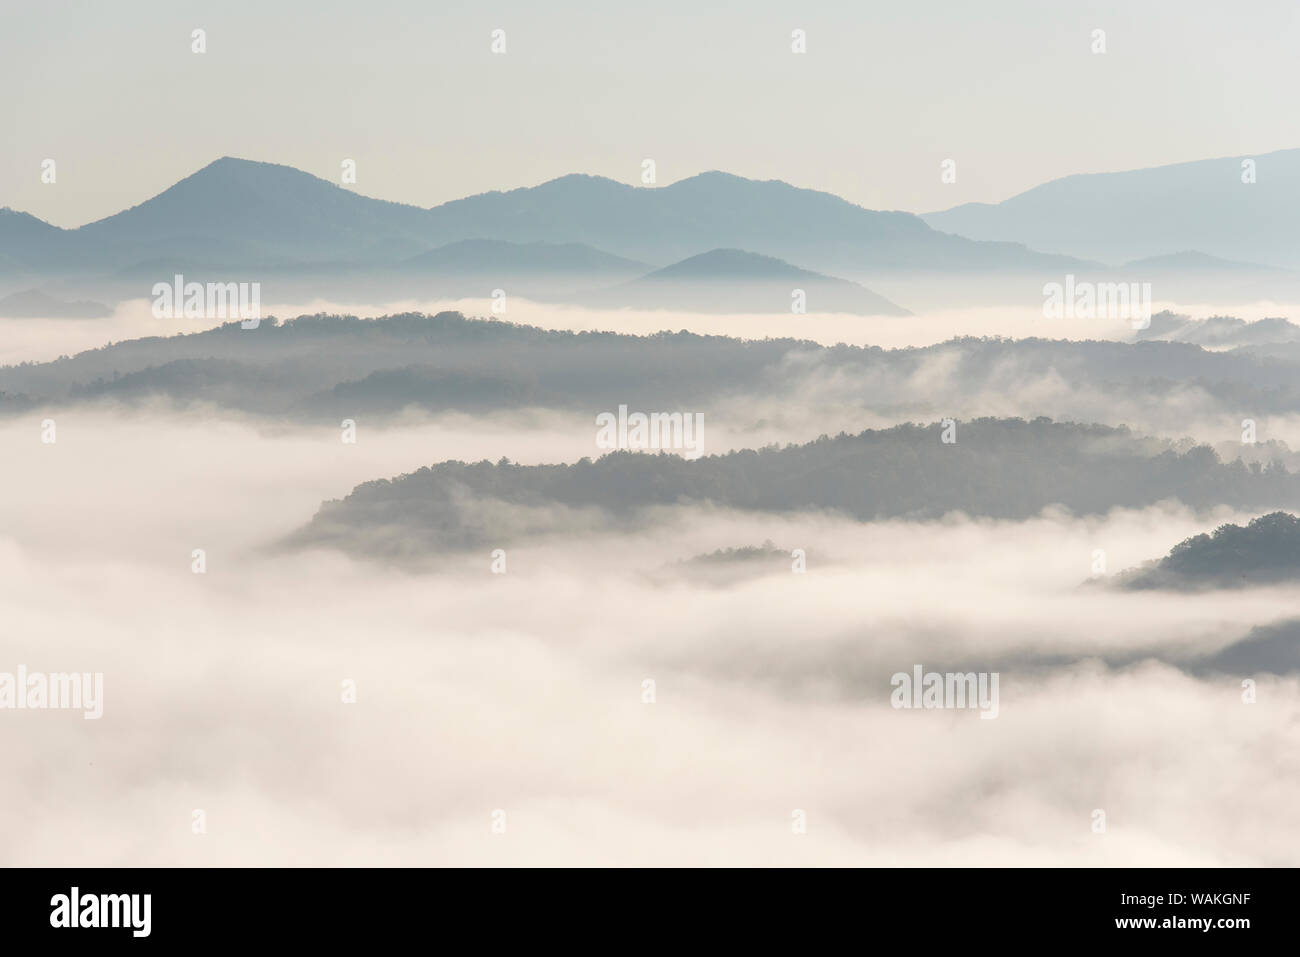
x=410 y=90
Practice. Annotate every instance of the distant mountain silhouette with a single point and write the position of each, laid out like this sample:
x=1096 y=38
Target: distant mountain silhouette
x=1264 y=552
x=731 y=264
x=240 y=214
x=1189 y=260
x=718 y=210
x=34 y=304
x=731 y=280
x=27 y=243
x=1119 y=217
x=231 y=213
x=238 y=208
x=496 y=257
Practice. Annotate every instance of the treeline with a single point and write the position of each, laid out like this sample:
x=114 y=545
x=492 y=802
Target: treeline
x=1265 y=551
x=318 y=367
x=996 y=468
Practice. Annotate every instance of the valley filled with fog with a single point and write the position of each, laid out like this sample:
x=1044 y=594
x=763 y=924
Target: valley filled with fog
x=497 y=589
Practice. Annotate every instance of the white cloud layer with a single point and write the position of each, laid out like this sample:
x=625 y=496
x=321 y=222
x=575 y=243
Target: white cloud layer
x=522 y=691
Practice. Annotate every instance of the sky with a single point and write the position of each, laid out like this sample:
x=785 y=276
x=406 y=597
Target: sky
x=1010 y=90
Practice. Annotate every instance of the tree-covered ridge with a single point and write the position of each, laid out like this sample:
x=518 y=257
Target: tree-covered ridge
x=766 y=552
x=324 y=366
x=997 y=468
x=1265 y=551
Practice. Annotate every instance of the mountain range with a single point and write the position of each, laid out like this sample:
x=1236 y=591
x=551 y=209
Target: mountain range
x=239 y=213
x=1241 y=209
x=1196 y=229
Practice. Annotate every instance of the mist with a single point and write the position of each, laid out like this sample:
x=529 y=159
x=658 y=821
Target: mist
x=41 y=340
x=522 y=692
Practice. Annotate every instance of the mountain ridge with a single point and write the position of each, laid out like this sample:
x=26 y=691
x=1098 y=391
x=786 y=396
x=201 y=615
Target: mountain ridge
x=1123 y=215
x=243 y=213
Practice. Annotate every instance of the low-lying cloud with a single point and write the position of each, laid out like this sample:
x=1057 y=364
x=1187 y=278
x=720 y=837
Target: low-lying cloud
x=523 y=692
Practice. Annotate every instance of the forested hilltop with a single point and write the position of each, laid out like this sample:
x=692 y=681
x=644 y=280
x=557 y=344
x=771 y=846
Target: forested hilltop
x=316 y=368
x=997 y=468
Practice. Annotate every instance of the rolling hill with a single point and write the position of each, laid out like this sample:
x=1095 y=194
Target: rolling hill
x=1003 y=468
x=1264 y=552
x=735 y=281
